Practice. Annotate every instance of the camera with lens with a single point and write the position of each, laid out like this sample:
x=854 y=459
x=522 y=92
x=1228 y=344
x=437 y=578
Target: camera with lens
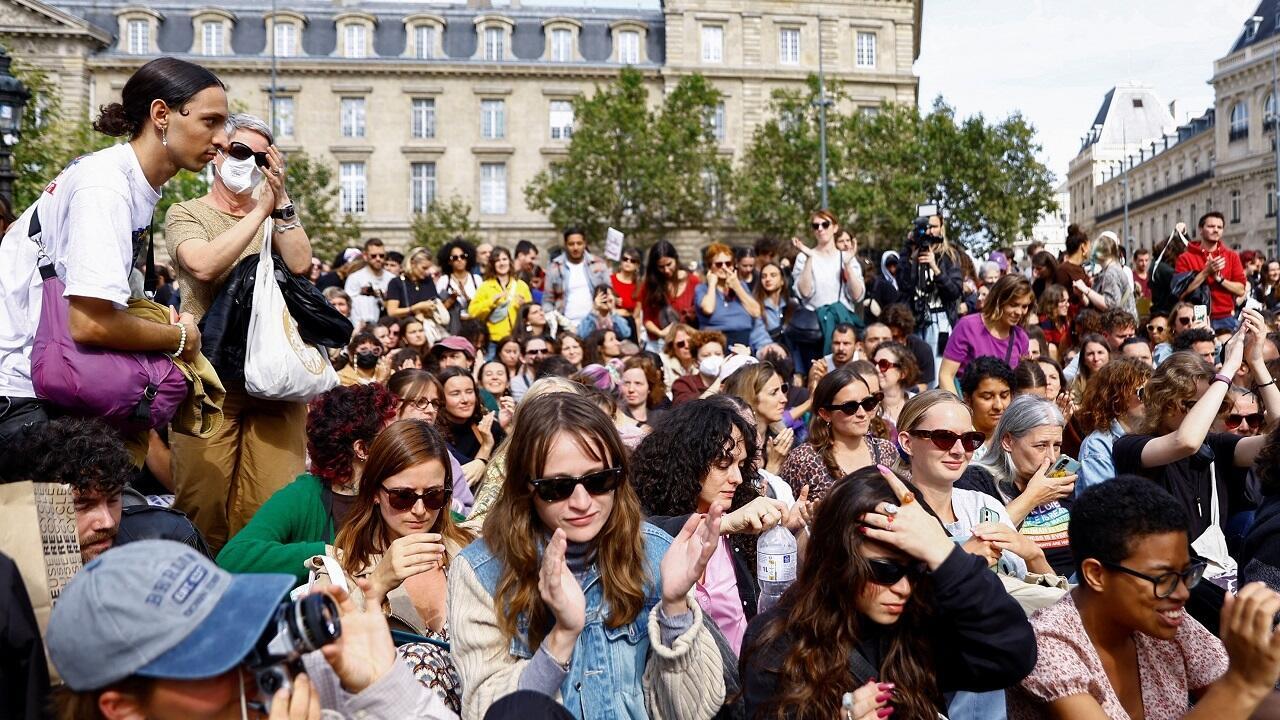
x=920 y=240
x=297 y=628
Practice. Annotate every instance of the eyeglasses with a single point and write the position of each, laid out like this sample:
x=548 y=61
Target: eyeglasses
x=1188 y=404
x=1156 y=328
x=630 y=259
x=537 y=352
x=421 y=404
x=945 y=439
x=1183 y=320
x=784 y=388
x=722 y=263
x=457 y=257
x=555 y=489
x=1165 y=584
x=1233 y=420
x=888 y=572
x=240 y=151
x=371 y=256
x=404 y=499
x=681 y=344
x=868 y=403
x=821 y=225
x=884 y=365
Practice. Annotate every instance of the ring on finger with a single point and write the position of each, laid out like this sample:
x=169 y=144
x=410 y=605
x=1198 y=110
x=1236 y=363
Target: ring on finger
x=908 y=498
x=890 y=509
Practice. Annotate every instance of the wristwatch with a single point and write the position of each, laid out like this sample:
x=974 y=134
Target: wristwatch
x=286 y=213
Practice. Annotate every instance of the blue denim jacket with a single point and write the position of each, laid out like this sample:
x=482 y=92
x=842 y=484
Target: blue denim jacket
x=605 y=678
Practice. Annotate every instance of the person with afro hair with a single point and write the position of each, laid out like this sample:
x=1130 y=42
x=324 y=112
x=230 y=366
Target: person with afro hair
x=301 y=518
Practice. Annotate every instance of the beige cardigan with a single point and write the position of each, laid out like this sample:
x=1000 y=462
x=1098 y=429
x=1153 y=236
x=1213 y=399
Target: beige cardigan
x=682 y=682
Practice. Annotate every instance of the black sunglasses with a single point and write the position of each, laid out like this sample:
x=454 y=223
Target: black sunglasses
x=555 y=489
x=868 y=403
x=1156 y=328
x=404 y=499
x=1165 y=584
x=1233 y=420
x=945 y=439
x=457 y=257
x=722 y=263
x=240 y=151
x=682 y=344
x=821 y=225
x=888 y=572
x=885 y=365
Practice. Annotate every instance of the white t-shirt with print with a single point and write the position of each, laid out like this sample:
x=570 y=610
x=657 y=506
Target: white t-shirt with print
x=94 y=219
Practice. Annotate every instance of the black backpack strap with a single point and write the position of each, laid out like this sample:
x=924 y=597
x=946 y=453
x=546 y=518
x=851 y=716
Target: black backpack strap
x=149 y=274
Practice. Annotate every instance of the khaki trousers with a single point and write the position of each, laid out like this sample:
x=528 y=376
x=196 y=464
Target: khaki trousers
x=223 y=480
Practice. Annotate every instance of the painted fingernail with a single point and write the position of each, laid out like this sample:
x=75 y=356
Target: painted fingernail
x=884 y=712
x=883 y=469
x=887 y=687
x=883 y=697
x=862 y=529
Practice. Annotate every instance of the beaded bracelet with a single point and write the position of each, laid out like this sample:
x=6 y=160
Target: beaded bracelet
x=182 y=339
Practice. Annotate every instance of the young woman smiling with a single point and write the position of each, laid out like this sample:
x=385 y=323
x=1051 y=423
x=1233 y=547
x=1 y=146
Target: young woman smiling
x=471 y=433
x=596 y=605
x=771 y=294
x=995 y=332
x=899 y=374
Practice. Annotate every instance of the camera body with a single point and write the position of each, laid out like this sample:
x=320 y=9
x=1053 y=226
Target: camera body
x=297 y=628
x=920 y=240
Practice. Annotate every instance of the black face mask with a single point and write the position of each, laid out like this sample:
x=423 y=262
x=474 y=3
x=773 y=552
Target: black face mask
x=366 y=360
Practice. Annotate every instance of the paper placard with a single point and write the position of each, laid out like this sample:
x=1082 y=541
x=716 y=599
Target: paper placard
x=613 y=244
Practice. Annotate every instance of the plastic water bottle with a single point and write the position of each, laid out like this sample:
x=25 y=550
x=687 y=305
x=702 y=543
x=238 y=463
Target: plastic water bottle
x=776 y=557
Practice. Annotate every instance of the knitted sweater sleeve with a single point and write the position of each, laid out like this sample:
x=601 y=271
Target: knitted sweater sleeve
x=683 y=681
x=487 y=669
x=280 y=538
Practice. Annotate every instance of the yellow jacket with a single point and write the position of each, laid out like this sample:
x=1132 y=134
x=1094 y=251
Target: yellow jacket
x=499 y=306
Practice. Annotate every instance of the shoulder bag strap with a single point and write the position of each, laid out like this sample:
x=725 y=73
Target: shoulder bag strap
x=149 y=273
x=1008 y=351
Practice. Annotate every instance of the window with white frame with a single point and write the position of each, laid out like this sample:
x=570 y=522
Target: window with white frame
x=712 y=43
x=789 y=46
x=494 y=42
x=424 y=42
x=213 y=38
x=866 y=49
x=493 y=188
x=629 y=47
x=718 y=121
x=561 y=117
x=353 y=188
x=561 y=45
x=493 y=120
x=286 y=39
x=422 y=186
x=352 y=117
x=139 y=37
x=354 y=40
x=1235 y=206
x=1239 y=122
x=283 y=107
x=1271 y=199
x=423 y=118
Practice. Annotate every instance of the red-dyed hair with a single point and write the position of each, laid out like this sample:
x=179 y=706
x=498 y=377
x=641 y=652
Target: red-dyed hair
x=340 y=417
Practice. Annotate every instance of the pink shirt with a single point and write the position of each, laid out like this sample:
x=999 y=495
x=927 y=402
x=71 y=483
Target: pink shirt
x=1067 y=664
x=718 y=595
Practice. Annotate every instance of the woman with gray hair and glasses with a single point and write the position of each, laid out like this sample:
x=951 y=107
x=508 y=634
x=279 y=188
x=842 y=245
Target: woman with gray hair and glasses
x=222 y=480
x=1017 y=472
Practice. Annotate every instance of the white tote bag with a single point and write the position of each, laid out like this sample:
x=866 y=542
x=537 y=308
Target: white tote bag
x=278 y=364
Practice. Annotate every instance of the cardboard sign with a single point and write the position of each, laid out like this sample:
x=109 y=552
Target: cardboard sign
x=613 y=245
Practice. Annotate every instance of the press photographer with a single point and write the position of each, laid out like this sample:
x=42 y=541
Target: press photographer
x=929 y=278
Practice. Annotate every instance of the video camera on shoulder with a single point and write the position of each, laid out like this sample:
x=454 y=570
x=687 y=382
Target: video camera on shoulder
x=921 y=241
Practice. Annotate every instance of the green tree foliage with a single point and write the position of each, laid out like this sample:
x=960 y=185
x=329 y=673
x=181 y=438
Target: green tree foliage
x=310 y=185
x=639 y=169
x=442 y=222
x=881 y=165
x=49 y=139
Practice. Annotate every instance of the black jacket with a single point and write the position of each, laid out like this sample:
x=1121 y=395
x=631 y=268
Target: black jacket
x=24 y=676
x=745 y=574
x=980 y=637
x=949 y=283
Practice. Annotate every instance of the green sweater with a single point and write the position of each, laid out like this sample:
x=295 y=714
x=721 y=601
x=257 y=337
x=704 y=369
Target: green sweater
x=290 y=527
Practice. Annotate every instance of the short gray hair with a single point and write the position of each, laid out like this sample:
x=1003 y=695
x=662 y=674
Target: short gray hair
x=245 y=121
x=1024 y=414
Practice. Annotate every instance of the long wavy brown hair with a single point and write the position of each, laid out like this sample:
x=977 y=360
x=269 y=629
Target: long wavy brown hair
x=1174 y=381
x=820 y=435
x=516 y=536
x=403 y=445
x=817 y=616
x=1109 y=392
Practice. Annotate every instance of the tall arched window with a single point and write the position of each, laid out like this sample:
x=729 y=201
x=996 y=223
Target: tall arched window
x=1239 y=122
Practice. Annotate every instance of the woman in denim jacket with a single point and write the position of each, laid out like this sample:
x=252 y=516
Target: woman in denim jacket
x=571 y=594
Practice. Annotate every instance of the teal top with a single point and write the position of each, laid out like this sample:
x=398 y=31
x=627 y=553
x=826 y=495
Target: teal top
x=290 y=527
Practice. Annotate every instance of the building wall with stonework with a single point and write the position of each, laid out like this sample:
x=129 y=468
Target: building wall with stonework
x=410 y=101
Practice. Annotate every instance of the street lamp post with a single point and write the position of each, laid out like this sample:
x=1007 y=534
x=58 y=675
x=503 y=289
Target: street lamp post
x=822 y=102
x=13 y=98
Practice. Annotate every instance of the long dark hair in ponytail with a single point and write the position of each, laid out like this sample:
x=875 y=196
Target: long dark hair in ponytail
x=168 y=79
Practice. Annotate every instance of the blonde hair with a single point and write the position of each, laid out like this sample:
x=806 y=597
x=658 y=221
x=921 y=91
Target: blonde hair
x=914 y=410
x=1171 y=383
x=1106 y=247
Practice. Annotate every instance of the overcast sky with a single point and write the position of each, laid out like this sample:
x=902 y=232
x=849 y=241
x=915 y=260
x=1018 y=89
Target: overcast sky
x=1053 y=60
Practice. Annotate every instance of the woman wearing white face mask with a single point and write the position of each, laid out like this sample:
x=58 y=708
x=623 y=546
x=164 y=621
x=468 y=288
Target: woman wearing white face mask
x=222 y=480
x=707 y=348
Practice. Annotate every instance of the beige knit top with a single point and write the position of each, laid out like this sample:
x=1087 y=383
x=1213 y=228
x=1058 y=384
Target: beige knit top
x=198 y=219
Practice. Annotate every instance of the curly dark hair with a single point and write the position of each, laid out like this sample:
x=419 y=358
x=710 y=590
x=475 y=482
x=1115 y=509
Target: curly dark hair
x=340 y=417
x=1107 y=518
x=442 y=255
x=1185 y=339
x=85 y=453
x=982 y=368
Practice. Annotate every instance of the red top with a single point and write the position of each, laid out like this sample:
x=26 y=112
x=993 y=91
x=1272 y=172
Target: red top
x=628 y=293
x=1222 y=302
x=682 y=304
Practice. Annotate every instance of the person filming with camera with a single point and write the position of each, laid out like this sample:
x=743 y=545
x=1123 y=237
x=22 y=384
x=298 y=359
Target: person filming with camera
x=930 y=280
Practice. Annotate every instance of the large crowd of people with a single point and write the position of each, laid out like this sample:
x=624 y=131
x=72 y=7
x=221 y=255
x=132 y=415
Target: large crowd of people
x=1032 y=484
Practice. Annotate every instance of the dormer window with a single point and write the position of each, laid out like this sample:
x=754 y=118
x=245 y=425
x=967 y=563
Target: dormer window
x=137 y=29
x=425 y=33
x=139 y=37
x=629 y=42
x=562 y=39
x=212 y=32
x=285 y=30
x=495 y=38
x=356 y=33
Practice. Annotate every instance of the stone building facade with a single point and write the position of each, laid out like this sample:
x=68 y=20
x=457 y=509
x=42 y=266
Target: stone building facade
x=413 y=101
x=1223 y=160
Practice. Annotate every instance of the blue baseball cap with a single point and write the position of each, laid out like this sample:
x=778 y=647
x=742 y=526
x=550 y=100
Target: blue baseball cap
x=158 y=609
